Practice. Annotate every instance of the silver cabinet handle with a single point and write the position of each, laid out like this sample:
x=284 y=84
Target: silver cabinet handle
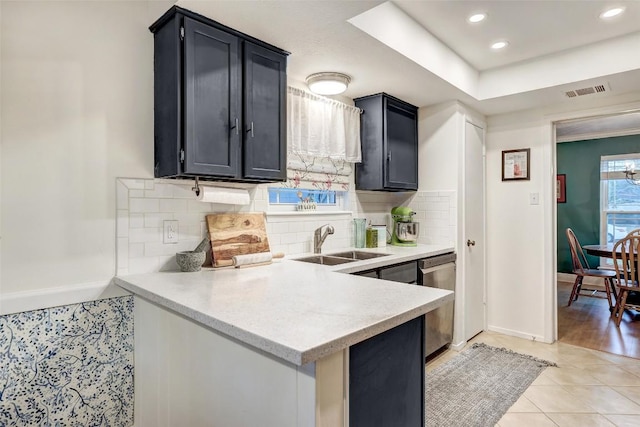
x=236 y=127
x=471 y=242
x=251 y=130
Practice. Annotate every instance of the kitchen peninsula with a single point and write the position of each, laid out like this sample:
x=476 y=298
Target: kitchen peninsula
x=265 y=345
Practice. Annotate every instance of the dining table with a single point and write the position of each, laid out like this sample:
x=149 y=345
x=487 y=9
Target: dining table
x=605 y=251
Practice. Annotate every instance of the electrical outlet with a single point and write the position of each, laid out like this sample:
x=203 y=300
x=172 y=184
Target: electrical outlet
x=170 y=234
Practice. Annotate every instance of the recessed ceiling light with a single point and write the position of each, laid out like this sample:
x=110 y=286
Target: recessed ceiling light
x=499 y=45
x=477 y=17
x=610 y=13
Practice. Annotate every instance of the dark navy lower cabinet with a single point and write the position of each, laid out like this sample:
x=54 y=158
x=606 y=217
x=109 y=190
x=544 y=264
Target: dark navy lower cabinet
x=386 y=378
x=219 y=101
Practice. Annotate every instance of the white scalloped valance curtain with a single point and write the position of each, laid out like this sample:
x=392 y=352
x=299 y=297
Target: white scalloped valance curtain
x=323 y=139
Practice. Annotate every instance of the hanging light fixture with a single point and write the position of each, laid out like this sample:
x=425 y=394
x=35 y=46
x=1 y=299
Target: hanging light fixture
x=630 y=175
x=328 y=83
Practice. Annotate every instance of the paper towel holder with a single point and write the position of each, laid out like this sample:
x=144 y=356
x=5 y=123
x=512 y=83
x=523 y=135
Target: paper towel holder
x=196 y=189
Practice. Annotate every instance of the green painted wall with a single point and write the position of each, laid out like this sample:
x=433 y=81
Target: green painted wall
x=580 y=162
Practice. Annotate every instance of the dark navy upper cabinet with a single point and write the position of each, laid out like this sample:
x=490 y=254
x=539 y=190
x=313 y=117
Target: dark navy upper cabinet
x=220 y=102
x=265 y=106
x=389 y=135
x=212 y=100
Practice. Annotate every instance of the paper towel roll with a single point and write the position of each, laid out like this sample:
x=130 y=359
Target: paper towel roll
x=230 y=196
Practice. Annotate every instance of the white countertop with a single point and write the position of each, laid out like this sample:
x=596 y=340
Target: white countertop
x=295 y=310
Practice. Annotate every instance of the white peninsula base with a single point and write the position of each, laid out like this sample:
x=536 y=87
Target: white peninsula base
x=187 y=374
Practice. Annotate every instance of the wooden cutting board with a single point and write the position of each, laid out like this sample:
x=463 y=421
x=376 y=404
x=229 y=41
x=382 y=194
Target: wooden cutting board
x=234 y=234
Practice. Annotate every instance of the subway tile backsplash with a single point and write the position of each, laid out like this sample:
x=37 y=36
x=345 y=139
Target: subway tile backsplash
x=144 y=204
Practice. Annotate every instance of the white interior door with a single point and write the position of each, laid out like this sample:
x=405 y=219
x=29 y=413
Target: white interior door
x=474 y=240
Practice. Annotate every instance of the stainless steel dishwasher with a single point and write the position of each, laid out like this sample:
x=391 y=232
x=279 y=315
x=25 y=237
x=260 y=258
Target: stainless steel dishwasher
x=438 y=272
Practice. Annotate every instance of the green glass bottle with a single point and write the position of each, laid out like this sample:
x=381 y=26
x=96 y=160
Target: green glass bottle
x=371 y=237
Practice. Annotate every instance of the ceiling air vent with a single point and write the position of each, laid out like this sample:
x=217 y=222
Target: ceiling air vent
x=586 y=91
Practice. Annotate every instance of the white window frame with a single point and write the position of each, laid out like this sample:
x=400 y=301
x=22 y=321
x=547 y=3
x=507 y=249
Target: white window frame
x=604 y=197
x=342 y=201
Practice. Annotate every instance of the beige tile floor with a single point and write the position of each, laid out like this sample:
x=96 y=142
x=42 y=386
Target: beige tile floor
x=589 y=387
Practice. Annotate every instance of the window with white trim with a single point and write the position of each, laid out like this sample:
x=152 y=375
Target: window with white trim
x=300 y=199
x=619 y=199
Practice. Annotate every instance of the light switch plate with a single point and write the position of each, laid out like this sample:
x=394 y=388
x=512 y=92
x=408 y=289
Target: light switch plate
x=170 y=234
x=534 y=198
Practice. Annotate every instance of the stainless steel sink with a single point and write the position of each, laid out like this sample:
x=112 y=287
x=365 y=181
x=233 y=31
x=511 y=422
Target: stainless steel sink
x=358 y=255
x=325 y=260
x=340 y=257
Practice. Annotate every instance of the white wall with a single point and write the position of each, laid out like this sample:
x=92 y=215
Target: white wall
x=77 y=110
x=0 y=148
x=515 y=233
x=440 y=133
x=521 y=242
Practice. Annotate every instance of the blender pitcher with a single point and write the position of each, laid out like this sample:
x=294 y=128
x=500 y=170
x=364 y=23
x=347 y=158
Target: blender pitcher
x=359 y=230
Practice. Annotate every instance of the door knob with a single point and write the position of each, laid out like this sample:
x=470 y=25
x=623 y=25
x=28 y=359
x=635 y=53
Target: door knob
x=471 y=242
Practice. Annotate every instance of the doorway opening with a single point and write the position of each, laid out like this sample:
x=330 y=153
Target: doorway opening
x=581 y=145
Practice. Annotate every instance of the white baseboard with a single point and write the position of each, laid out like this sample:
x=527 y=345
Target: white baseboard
x=18 y=302
x=517 y=334
x=587 y=281
x=458 y=346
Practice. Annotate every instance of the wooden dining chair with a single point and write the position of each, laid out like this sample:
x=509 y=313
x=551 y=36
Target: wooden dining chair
x=635 y=232
x=582 y=269
x=625 y=262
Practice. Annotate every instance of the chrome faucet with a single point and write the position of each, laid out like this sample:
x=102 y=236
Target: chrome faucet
x=318 y=237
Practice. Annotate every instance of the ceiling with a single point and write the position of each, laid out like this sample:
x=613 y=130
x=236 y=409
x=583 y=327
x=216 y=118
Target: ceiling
x=426 y=53
x=533 y=28
x=598 y=127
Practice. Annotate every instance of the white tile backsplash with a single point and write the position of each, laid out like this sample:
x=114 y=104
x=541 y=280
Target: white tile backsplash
x=136 y=220
x=143 y=204
x=436 y=211
x=172 y=205
x=137 y=205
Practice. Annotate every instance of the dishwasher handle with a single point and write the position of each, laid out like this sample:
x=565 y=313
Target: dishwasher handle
x=437 y=260
x=448 y=265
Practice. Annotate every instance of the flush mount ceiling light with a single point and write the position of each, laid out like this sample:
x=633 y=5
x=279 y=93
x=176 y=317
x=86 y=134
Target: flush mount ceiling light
x=610 y=13
x=499 y=45
x=477 y=17
x=328 y=83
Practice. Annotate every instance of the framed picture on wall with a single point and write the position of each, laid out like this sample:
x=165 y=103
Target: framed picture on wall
x=561 y=188
x=515 y=164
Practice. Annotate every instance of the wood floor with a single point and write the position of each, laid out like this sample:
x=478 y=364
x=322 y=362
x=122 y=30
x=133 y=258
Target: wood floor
x=587 y=323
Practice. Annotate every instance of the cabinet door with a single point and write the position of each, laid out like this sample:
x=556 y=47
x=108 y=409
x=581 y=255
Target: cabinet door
x=212 y=96
x=386 y=378
x=401 y=146
x=265 y=85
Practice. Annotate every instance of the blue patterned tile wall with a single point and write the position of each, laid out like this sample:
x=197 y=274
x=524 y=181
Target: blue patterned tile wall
x=68 y=366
